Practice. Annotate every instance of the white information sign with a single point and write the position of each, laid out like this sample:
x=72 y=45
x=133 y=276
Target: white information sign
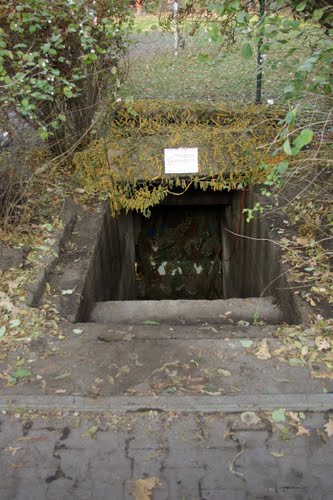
x=181 y=161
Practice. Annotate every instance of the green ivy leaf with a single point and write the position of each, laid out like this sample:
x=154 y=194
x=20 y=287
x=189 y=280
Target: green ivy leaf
x=246 y=343
x=246 y=51
x=282 y=167
x=290 y=118
x=68 y=92
x=306 y=135
x=279 y=415
x=301 y=6
x=241 y=17
x=43 y=134
x=14 y=323
x=21 y=372
x=296 y=362
x=318 y=14
x=304 y=138
x=287 y=148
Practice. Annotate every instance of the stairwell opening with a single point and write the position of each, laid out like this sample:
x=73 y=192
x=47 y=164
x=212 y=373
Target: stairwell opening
x=194 y=246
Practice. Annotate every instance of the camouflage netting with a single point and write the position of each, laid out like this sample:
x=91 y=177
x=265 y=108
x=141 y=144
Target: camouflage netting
x=129 y=164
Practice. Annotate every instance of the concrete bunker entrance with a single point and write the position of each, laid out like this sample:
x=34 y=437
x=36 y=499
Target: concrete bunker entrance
x=178 y=252
x=192 y=247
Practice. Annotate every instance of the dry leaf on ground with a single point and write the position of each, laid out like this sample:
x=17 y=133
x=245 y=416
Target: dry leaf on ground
x=250 y=418
x=124 y=370
x=294 y=416
x=322 y=375
x=263 y=350
x=142 y=488
x=302 y=431
x=13 y=450
x=329 y=427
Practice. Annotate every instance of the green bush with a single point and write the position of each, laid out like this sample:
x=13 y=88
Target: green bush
x=58 y=60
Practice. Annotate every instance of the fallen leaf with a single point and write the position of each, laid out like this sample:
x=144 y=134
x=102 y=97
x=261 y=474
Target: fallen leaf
x=151 y=322
x=14 y=323
x=302 y=431
x=62 y=375
x=250 y=418
x=263 y=350
x=322 y=375
x=165 y=366
x=143 y=488
x=305 y=350
x=217 y=393
x=13 y=450
x=128 y=336
x=223 y=372
x=21 y=373
x=281 y=380
x=279 y=415
x=323 y=345
x=246 y=343
x=77 y=423
x=2 y=331
x=77 y=331
x=277 y=454
x=155 y=454
x=296 y=362
x=69 y=291
x=329 y=427
x=124 y=370
x=34 y=439
x=91 y=432
x=294 y=416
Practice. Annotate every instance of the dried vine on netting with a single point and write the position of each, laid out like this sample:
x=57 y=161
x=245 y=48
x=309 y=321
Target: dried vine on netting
x=128 y=165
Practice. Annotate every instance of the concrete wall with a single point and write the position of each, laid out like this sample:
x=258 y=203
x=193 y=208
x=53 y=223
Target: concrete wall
x=111 y=274
x=252 y=267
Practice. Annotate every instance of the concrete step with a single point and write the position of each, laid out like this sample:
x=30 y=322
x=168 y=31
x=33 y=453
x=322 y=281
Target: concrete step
x=188 y=312
x=183 y=404
x=91 y=360
x=118 y=332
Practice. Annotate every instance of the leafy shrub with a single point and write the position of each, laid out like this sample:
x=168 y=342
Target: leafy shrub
x=58 y=60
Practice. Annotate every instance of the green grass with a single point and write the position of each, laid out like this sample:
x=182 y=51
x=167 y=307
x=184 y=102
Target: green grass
x=145 y=23
x=201 y=72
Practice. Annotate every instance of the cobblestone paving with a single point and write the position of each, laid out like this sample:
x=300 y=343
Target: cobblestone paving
x=206 y=457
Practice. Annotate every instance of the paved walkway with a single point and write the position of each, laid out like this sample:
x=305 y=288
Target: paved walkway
x=102 y=411
x=197 y=456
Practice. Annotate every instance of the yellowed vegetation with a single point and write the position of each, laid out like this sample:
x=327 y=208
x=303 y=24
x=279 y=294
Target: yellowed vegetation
x=128 y=164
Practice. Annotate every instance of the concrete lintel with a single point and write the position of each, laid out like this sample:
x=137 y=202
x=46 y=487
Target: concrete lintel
x=199 y=198
x=186 y=404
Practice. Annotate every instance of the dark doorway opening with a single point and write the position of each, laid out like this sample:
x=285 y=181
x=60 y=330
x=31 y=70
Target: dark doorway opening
x=178 y=253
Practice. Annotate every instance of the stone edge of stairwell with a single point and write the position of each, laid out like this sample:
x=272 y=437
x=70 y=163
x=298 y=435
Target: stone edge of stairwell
x=183 y=404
